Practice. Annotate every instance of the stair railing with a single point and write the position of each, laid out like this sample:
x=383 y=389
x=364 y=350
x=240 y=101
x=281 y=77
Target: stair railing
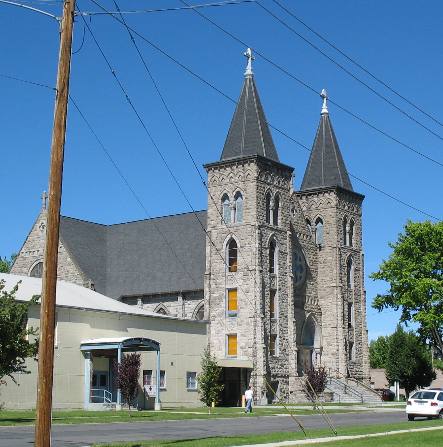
x=347 y=389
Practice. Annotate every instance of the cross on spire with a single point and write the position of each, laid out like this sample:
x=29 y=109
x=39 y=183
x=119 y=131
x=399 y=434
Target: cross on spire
x=44 y=199
x=250 y=57
x=324 y=95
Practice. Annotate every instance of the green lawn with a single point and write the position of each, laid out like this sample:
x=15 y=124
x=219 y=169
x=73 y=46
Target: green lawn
x=13 y=417
x=428 y=439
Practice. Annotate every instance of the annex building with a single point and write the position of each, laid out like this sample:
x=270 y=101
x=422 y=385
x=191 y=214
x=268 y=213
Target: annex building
x=276 y=278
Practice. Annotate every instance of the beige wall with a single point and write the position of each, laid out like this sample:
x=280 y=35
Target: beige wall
x=181 y=346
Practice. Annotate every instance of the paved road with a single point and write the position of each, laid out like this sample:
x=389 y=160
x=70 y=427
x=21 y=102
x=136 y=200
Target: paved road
x=87 y=434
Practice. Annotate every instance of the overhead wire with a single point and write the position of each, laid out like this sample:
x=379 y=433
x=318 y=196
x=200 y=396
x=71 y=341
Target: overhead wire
x=358 y=64
x=348 y=72
x=313 y=90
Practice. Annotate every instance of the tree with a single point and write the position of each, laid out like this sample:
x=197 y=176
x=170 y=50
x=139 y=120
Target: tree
x=315 y=383
x=414 y=272
x=6 y=264
x=209 y=386
x=128 y=373
x=378 y=350
x=408 y=361
x=15 y=347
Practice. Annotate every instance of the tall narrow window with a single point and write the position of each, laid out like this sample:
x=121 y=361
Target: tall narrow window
x=238 y=207
x=272 y=256
x=350 y=315
x=308 y=224
x=350 y=273
x=232 y=302
x=345 y=231
x=351 y=351
x=351 y=234
x=232 y=345
x=162 y=379
x=268 y=208
x=226 y=209
x=319 y=232
x=273 y=344
x=232 y=255
x=272 y=303
x=276 y=210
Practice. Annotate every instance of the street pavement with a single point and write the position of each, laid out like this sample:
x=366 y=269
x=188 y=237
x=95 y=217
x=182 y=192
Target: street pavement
x=81 y=435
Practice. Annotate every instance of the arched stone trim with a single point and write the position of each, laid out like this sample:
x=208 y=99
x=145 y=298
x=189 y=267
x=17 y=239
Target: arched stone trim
x=319 y=224
x=239 y=201
x=34 y=265
x=161 y=309
x=198 y=308
x=225 y=202
x=227 y=241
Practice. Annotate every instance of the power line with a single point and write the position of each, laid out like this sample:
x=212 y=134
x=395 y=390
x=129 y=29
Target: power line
x=144 y=11
x=131 y=189
x=312 y=89
x=356 y=63
x=343 y=68
x=40 y=11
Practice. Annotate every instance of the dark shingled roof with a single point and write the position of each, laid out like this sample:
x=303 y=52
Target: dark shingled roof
x=326 y=166
x=249 y=132
x=134 y=258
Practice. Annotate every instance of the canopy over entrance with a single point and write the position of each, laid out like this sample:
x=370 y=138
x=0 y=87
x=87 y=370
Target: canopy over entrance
x=121 y=345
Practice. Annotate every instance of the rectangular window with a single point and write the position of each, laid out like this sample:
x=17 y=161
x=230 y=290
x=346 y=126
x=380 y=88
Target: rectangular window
x=232 y=302
x=273 y=345
x=272 y=303
x=162 y=379
x=147 y=377
x=232 y=345
x=191 y=380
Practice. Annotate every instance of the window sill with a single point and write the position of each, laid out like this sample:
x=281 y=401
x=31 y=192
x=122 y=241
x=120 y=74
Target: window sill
x=193 y=390
x=232 y=314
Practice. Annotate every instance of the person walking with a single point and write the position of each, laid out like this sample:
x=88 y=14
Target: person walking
x=248 y=397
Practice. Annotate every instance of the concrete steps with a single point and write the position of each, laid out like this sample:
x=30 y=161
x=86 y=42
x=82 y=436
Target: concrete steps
x=350 y=391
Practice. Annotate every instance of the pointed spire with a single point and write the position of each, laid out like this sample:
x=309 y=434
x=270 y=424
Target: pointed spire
x=250 y=57
x=249 y=132
x=326 y=166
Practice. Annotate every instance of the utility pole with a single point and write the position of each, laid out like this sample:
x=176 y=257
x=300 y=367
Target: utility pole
x=47 y=311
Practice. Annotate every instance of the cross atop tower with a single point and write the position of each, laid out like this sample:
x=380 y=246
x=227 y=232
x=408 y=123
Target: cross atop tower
x=44 y=200
x=250 y=57
x=324 y=95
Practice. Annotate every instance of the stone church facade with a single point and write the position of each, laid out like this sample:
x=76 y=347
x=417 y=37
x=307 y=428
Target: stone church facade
x=279 y=274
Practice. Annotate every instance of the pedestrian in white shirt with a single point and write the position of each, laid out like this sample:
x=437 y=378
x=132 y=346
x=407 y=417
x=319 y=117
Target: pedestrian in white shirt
x=249 y=395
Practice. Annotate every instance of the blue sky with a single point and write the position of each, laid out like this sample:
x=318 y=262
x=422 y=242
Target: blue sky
x=398 y=41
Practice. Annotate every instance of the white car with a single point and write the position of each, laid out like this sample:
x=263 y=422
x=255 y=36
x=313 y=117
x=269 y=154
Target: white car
x=425 y=403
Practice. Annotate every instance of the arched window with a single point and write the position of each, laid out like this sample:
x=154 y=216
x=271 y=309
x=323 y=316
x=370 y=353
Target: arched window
x=273 y=256
x=200 y=312
x=37 y=270
x=232 y=255
x=345 y=231
x=226 y=209
x=238 y=207
x=351 y=233
x=268 y=208
x=276 y=210
x=350 y=273
x=319 y=231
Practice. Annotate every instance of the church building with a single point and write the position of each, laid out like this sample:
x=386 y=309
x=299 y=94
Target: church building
x=277 y=274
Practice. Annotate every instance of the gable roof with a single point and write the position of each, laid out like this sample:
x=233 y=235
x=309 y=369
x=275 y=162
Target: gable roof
x=249 y=132
x=159 y=255
x=325 y=166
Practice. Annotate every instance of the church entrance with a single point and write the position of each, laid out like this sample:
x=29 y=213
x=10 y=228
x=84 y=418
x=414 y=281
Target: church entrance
x=235 y=381
x=309 y=353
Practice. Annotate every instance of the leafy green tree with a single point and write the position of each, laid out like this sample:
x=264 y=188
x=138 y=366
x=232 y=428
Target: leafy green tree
x=14 y=344
x=408 y=361
x=6 y=264
x=128 y=373
x=209 y=385
x=414 y=272
x=378 y=350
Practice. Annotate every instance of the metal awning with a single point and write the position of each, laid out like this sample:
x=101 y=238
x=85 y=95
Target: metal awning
x=126 y=344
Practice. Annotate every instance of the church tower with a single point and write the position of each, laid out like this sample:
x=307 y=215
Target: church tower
x=333 y=210
x=247 y=277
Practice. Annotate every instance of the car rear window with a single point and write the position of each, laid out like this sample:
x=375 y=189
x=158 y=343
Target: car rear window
x=424 y=395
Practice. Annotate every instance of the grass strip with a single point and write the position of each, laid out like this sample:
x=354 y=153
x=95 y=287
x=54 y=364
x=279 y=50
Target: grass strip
x=229 y=441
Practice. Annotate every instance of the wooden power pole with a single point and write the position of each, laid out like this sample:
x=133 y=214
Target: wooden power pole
x=47 y=311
